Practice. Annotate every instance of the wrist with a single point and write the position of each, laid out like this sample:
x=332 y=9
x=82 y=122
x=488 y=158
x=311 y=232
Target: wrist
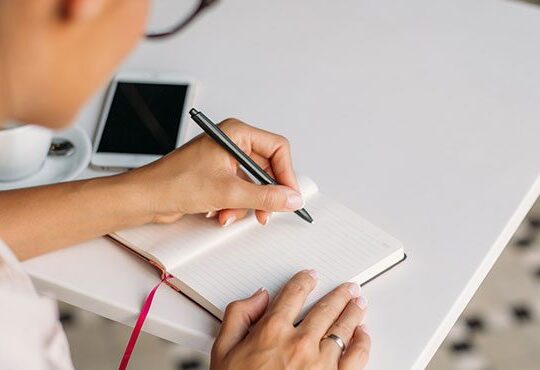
x=133 y=198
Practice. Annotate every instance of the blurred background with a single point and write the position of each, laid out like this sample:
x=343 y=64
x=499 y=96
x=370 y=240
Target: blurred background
x=499 y=329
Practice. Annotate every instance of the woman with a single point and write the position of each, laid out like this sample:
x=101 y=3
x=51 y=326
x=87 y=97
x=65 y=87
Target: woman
x=53 y=55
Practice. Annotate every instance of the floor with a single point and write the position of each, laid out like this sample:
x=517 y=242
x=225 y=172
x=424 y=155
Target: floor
x=499 y=329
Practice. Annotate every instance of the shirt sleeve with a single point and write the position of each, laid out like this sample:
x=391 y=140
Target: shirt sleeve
x=31 y=335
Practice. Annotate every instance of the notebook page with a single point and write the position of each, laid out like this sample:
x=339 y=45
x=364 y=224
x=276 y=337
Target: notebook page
x=173 y=244
x=340 y=245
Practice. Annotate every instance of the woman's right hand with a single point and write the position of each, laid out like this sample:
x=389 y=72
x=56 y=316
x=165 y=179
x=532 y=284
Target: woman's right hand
x=201 y=177
x=257 y=336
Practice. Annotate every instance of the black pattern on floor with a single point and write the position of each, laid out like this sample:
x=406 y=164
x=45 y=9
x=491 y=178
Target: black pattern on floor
x=500 y=328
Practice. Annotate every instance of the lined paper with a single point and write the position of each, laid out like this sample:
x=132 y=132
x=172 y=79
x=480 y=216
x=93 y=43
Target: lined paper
x=173 y=245
x=341 y=246
x=215 y=265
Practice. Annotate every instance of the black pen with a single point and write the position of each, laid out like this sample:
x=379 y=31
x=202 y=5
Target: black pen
x=249 y=164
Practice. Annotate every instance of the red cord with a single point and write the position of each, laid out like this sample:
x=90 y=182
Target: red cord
x=139 y=324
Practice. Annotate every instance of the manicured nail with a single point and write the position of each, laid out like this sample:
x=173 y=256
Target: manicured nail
x=258 y=292
x=211 y=214
x=267 y=219
x=313 y=274
x=354 y=289
x=229 y=221
x=294 y=200
x=361 y=302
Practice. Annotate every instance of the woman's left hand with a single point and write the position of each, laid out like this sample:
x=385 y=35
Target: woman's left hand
x=201 y=177
x=257 y=336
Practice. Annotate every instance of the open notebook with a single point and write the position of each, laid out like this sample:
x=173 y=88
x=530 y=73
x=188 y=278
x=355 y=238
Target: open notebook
x=214 y=266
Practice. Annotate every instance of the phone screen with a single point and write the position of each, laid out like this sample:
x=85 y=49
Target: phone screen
x=144 y=118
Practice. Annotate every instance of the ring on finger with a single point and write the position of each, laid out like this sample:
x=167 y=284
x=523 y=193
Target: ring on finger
x=337 y=340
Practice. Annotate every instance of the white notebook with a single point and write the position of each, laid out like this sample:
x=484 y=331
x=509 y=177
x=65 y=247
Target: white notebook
x=215 y=266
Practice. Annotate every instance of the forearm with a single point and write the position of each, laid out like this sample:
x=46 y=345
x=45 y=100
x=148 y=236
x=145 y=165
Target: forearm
x=39 y=220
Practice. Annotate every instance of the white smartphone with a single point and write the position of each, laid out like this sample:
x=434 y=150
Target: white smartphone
x=144 y=116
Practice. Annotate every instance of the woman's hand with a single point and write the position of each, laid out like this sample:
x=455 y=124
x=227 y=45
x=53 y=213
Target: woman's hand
x=254 y=336
x=201 y=177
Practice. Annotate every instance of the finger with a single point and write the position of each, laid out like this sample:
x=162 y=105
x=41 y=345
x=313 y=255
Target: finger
x=239 y=317
x=264 y=163
x=291 y=298
x=357 y=353
x=263 y=217
x=328 y=309
x=238 y=193
x=227 y=216
x=274 y=147
x=211 y=214
x=344 y=327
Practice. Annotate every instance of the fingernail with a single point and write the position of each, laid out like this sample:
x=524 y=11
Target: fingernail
x=354 y=289
x=313 y=274
x=266 y=220
x=364 y=328
x=361 y=302
x=258 y=292
x=294 y=200
x=229 y=221
x=211 y=214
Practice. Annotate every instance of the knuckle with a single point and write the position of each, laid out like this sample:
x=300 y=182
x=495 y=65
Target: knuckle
x=353 y=313
x=325 y=308
x=271 y=328
x=283 y=140
x=231 y=124
x=342 y=326
x=228 y=122
x=296 y=286
x=270 y=198
x=304 y=342
x=273 y=323
x=303 y=349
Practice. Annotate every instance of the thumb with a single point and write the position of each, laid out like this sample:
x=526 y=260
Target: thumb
x=272 y=198
x=239 y=317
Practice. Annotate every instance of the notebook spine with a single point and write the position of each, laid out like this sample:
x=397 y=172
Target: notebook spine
x=162 y=272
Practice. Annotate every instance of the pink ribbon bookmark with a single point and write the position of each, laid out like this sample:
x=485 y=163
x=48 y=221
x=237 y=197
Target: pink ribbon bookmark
x=139 y=324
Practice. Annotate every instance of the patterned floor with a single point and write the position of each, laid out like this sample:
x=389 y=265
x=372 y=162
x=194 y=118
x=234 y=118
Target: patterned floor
x=499 y=330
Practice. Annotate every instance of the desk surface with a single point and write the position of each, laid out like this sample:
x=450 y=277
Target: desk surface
x=433 y=103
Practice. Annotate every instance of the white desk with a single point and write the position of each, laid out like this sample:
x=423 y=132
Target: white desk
x=422 y=115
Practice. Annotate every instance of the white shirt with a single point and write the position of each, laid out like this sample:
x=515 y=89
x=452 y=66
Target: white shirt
x=31 y=336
